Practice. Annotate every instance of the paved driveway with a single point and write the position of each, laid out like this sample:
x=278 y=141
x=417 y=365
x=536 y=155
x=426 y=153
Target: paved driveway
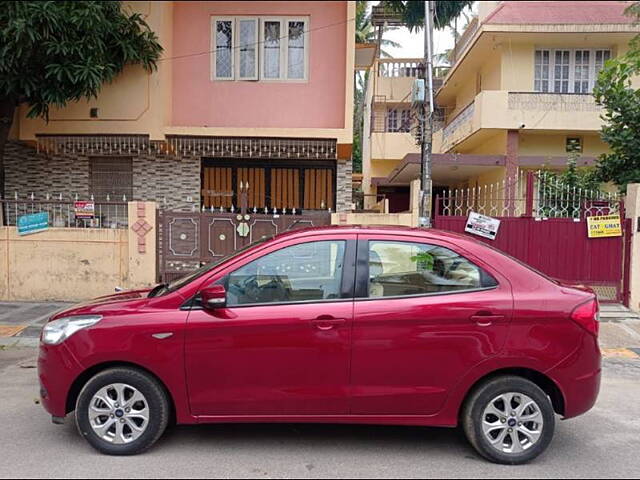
x=602 y=443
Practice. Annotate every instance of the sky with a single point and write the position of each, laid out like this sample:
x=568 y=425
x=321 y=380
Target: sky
x=413 y=43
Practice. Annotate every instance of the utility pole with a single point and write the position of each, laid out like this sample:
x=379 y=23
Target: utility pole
x=427 y=119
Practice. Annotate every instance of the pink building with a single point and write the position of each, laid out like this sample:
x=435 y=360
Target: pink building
x=257 y=93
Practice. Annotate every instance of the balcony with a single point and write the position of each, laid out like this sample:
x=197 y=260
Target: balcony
x=395 y=77
x=503 y=110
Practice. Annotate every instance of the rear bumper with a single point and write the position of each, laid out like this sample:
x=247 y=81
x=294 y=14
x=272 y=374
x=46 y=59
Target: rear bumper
x=578 y=377
x=57 y=370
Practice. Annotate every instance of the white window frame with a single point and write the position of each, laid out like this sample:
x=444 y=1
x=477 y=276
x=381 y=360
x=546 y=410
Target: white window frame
x=283 y=52
x=258 y=46
x=214 y=73
x=260 y=57
x=572 y=67
x=305 y=21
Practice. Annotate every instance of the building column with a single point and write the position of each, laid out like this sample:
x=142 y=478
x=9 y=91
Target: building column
x=632 y=210
x=344 y=171
x=511 y=174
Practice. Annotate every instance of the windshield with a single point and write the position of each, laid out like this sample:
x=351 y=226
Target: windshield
x=182 y=281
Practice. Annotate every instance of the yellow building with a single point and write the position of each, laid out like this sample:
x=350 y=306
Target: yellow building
x=517 y=97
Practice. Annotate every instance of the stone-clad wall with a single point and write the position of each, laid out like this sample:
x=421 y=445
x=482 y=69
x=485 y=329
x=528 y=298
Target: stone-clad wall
x=172 y=182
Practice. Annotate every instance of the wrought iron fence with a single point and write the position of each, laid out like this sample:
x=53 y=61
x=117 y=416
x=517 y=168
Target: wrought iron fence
x=534 y=194
x=63 y=213
x=555 y=199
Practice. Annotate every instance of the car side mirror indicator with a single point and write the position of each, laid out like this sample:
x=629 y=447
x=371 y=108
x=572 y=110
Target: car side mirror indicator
x=214 y=296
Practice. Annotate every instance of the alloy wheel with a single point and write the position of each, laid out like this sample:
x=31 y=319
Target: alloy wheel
x=118 y=413
x=512 y=423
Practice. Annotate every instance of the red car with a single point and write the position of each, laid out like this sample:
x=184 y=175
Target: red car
x=340 y=324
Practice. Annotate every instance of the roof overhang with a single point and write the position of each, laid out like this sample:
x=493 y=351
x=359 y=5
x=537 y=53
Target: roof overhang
x=445 y=166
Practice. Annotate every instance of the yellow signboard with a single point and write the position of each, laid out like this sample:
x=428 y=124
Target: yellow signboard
x=604 y=226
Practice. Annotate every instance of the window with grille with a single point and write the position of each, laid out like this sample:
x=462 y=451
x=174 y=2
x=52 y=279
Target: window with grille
x=398 y=120
x=260 y=48
x=111 y=178
x=568 y=70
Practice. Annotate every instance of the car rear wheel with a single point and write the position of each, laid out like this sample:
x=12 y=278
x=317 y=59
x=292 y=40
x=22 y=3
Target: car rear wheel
x=509 y=420
x=122 y=411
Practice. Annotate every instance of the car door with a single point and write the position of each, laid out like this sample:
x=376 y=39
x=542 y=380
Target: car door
x=424 y=314
x=281 y=346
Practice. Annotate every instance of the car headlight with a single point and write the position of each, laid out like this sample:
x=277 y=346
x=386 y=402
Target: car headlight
x=59 y=330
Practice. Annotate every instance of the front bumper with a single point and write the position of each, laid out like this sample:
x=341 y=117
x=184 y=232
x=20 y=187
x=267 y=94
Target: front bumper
x=57 y=370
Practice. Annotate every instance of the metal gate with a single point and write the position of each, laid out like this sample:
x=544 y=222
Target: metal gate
x=547 y=229
x=187 y=240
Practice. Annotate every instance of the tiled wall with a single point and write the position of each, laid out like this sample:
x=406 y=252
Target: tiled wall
x=172 y=182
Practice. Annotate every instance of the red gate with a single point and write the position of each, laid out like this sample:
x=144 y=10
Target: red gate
x=550 y=234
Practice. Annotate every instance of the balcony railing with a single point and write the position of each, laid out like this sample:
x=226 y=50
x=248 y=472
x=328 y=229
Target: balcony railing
x=465 y=115
x=408 y=68
x=465 y=40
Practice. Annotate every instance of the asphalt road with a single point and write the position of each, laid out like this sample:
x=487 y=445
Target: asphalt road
x=602 y=443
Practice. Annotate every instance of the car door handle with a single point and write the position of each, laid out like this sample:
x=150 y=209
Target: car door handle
x=484 y=320
x=327 y=322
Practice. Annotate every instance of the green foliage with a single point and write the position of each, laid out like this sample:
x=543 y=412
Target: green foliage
x=621 y=102
x=412 y=12
x=583 y=178
x=54 y=52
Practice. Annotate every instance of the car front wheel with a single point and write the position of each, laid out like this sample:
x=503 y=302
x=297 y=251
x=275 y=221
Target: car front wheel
x=509 y=420
x=122 y=411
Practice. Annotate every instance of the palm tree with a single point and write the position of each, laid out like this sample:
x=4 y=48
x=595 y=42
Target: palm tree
x=413 y=12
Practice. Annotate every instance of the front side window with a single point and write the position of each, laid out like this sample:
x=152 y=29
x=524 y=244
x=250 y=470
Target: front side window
x=306 y=272
x=407 y=268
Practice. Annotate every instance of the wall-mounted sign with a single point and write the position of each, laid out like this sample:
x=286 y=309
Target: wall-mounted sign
x=482 y=225
x=604 y=226
x=84 y=209
x=33 y=223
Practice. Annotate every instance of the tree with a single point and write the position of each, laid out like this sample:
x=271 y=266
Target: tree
x=53 y=53
x=621 y=102
x=413 y=12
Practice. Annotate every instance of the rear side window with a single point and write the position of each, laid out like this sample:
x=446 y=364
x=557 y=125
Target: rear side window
x=407 y=268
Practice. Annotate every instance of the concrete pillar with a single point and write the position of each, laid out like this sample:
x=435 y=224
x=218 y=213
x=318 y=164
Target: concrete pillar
x=511 y=174
x=142 y=244
x=632 y=208
x=414 y=201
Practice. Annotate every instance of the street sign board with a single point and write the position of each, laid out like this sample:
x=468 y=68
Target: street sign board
x=482 y=225
x=84 y=209
x=604 y=226
x=33 y=223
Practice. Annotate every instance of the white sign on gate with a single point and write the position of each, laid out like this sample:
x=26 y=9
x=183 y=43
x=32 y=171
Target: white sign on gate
x=482 y=225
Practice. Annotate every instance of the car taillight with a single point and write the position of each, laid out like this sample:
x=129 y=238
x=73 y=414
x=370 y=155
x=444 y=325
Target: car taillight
x=586 y=315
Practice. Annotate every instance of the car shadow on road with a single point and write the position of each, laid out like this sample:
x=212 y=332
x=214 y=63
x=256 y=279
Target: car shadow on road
x=319 y=436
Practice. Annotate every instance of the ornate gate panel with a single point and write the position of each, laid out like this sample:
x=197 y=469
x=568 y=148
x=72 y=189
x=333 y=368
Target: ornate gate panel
x=188 y=240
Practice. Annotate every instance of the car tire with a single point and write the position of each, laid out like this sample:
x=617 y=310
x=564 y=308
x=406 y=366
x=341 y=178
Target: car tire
x=122 y=411
x=509 y=420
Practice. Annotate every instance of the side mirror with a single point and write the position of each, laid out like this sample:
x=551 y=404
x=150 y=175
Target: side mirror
x=214 y=296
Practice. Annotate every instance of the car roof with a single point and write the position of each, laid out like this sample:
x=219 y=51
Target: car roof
x=380 y=229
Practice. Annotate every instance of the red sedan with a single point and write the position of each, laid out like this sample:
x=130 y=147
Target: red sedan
x=340 y=324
